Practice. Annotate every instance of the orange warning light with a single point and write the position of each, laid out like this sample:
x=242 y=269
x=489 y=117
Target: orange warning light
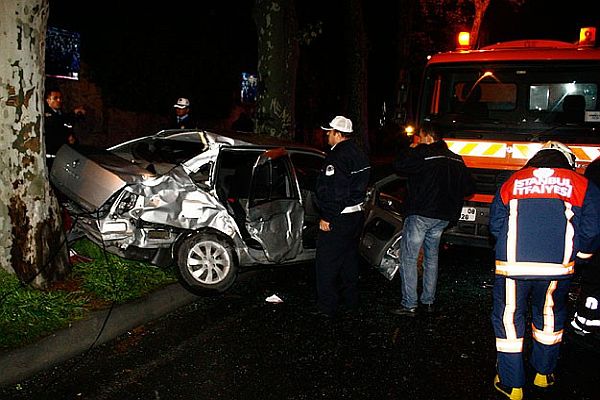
x=464 y=39
x=587 y=36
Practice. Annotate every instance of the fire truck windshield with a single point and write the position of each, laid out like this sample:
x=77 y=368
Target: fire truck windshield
x=520 y=99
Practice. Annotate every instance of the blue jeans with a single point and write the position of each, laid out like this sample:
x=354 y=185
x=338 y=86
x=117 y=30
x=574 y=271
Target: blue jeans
x=420 y=232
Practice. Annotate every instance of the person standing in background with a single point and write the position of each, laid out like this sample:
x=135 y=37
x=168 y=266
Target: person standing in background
x=438 y=182
x=340 y=192
x=543 y=217
x=182 y=118
x=58 y=125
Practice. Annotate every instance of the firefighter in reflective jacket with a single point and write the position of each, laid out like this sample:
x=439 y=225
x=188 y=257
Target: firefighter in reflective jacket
x=340 y=193
x=543 y=217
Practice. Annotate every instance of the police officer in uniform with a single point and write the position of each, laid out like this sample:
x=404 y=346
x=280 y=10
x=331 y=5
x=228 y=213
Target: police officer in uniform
x=544 y=217
x=340 y=193
x=58 y=125
x=182 y=118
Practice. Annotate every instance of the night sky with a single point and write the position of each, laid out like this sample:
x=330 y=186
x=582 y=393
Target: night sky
x=144 y=56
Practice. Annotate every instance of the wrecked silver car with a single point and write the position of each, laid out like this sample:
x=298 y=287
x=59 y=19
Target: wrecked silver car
x=207 y=203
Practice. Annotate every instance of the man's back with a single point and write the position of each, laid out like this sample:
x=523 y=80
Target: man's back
x=438 y=180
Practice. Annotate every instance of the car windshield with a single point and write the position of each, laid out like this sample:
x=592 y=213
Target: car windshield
x=528 y=98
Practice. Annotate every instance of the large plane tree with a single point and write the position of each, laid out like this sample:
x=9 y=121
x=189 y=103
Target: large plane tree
x=31 y=233
x=278 y=51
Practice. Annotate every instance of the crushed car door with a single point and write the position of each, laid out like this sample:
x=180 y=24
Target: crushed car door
x=380 y=240
x=275 y=214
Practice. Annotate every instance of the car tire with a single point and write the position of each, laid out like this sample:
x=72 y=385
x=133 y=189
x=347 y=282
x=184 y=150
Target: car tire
x=206 y=264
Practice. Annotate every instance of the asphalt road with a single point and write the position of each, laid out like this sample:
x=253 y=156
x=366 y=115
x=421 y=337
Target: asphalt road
x=239 y=346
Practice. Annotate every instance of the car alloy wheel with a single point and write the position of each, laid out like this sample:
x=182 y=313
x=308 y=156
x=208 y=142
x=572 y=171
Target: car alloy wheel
x=206 y=263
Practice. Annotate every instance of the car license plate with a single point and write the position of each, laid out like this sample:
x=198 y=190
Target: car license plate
x=468 y=214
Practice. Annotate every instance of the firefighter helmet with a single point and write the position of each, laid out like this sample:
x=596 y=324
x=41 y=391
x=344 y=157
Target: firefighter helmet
x=563 y=148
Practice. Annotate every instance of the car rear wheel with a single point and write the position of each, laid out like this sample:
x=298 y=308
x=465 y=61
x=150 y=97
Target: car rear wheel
x=206 y=263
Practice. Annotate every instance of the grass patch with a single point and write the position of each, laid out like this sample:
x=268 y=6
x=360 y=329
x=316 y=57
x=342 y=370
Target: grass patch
x=27 y=314
x=114 y=279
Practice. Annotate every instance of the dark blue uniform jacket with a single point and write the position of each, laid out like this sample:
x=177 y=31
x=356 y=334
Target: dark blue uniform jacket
x=343 y=179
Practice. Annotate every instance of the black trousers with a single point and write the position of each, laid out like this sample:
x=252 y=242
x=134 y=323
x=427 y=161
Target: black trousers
x=587 y=310
x=337 y=263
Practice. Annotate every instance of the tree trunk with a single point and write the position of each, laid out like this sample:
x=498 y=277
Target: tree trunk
x=278 y=53
x=33 y=245
x=402 y=105
x=356 y=43
x=480 y=9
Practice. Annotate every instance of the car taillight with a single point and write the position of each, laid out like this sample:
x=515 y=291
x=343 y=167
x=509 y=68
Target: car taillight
x=126 y=203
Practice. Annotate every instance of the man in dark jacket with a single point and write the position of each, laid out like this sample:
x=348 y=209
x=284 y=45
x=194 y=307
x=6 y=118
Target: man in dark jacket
x=58 y=125
x=544 y=217
x=340 y=193
x=438 y=182
x=587 y=313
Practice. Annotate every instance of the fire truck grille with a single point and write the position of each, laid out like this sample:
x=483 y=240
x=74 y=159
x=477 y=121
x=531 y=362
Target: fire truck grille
x=488 y=181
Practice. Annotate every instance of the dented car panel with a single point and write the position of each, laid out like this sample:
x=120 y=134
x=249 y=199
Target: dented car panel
x=277 y=227
x=114 y=174
x=206 y=203
x=380 y=239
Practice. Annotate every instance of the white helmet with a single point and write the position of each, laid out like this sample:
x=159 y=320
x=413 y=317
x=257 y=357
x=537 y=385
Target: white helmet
x=567 y=152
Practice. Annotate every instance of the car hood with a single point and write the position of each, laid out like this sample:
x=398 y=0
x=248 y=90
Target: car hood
x=90 y=176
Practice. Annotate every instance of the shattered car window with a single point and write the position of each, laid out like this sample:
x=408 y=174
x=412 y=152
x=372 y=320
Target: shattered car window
x=234 y=174
x=166 y=150
x=307 y=169
x=272 y=181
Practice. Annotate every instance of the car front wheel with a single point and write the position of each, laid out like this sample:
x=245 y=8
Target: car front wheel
x=206 y=263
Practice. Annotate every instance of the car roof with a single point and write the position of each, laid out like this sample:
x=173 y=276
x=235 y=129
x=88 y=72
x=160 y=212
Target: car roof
x=232 y=138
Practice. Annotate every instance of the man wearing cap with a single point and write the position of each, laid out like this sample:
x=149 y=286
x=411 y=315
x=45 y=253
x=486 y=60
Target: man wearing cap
x=340 y=193
x=183 y=119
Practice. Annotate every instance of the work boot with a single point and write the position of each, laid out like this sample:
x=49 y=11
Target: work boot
x=543 y=381
x=510 y=392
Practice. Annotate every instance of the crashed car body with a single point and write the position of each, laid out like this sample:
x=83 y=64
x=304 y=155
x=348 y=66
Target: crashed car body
x=204 y=202
x=385 y=210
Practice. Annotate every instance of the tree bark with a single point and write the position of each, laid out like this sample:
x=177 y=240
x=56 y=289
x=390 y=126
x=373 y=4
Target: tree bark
x=278 y=53
x=356 y=43
x=31 y=233
x=480 y=9
x=402 y=105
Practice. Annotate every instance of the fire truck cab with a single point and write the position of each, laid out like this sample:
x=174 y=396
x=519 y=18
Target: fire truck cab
x=496 y=106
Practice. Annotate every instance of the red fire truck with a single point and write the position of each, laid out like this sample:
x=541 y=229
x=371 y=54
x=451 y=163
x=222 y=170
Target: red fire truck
x=496 y=106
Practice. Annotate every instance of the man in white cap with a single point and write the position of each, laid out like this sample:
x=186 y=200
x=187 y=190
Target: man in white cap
x=183 y=119
x=340 y=193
